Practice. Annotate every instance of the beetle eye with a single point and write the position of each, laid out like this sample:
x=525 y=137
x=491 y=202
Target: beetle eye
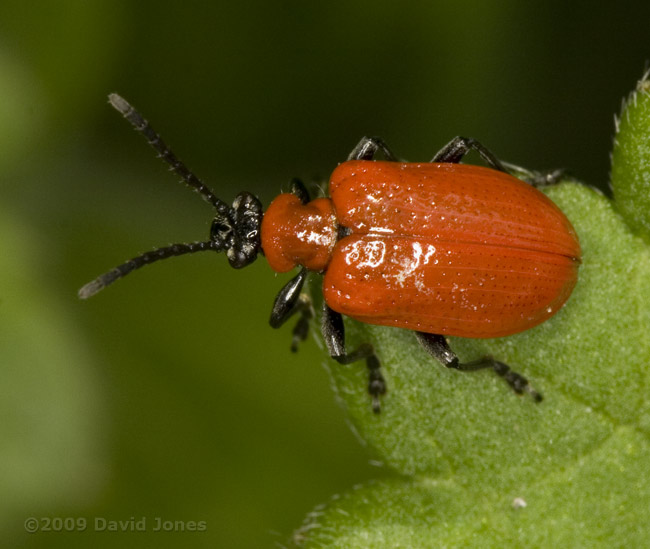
x=221 y=229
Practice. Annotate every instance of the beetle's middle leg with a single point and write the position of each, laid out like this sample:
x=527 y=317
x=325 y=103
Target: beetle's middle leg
x=334 y=335
x=438 y=348
x=454 y=151
x=289 y=301
x=368 y=147
x=537 y=178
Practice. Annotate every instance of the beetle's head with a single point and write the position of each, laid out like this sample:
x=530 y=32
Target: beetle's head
x=239 y=232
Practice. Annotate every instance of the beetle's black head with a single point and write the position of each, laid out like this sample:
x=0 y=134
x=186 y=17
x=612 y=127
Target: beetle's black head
x=235 y=229
x=239 y=232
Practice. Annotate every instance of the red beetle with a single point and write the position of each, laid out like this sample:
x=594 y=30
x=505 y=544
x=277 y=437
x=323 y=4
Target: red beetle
x=441 y=248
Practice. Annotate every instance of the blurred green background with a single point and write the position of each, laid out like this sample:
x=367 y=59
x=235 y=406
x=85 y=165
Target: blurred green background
x=168 y=395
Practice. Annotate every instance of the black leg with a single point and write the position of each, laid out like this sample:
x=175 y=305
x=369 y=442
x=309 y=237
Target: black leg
x=289 y=301
x=438 y=348
x=535 y=178
x=458 y=147
x=367 y=148
x=301 y=329
x=298 y=188
x=334 y=335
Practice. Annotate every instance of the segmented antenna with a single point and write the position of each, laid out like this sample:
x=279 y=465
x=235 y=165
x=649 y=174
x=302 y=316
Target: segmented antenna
x=142 y=126
x=146 y=258
x=217 y=243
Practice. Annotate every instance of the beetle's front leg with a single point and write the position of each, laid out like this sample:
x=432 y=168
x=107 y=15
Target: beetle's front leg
x=438 y=347
x=368 y=147
x=298 y=188
x=334 y=335
x=289 y=301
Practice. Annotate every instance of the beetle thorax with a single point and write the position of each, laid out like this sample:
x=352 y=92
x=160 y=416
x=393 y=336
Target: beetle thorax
x=294 y=233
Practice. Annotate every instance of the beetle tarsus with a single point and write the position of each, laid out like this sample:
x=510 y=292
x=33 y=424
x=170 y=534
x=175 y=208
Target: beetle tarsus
x=537 y=178
x=438 y=347
x=376 y=383
x=301 y=329
x=376 y=404
x=519 y=383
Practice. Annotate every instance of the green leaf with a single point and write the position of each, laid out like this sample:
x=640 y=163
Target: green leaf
x=597 y=500
x=631 y=158
x=470 y=452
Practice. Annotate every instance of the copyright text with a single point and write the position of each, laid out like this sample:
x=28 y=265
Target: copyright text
x=103 y=524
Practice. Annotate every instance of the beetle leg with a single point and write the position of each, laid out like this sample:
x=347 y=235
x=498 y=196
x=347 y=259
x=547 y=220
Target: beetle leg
x=535 y=178
x=458 y=147
x=298 y=188
x=334 y=335
x=438 y=347
x=301 y=329
x=368 y=147
x=289 y=301
x=517 y=382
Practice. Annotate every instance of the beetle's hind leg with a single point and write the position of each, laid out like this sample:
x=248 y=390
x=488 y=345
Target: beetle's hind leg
x=517 y=382
x=290 y=301
x=334 y=335
x=438 y=348
x=454 y=151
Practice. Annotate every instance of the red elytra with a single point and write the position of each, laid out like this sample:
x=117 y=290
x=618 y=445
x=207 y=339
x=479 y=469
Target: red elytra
x=442 y=248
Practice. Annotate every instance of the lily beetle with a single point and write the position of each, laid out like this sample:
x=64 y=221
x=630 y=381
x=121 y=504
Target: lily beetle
x=440 y=248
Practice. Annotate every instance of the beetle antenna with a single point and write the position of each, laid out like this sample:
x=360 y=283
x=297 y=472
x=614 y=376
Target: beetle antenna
x=146 y=258
x=235 y=229
x=142 y=126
